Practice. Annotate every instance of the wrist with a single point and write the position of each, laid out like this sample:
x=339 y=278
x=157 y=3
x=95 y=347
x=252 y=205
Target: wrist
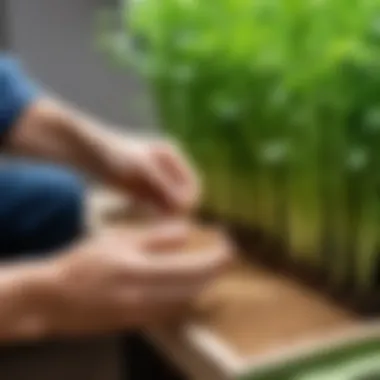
x=27 y=298
x=92 y=144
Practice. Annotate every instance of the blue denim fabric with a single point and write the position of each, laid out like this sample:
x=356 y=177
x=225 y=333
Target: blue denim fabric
x=17 y=92
x=41 y=209
x=41 y=206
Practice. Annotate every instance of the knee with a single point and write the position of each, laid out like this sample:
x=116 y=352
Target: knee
x=61 y=193
x=53 y=210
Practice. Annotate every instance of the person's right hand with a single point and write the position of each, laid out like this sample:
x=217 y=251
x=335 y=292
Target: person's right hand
x=125 y=279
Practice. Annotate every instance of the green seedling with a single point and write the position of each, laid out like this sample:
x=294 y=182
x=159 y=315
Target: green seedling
x=278 y=104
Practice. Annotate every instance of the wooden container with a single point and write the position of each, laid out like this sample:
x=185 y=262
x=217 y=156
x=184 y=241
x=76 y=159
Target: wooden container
x=253 y=322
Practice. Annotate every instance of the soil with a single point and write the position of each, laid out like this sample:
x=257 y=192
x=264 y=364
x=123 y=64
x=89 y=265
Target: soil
x=250 y=308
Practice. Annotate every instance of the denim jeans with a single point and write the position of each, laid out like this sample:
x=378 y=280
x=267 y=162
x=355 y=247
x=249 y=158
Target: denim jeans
x=41 y=209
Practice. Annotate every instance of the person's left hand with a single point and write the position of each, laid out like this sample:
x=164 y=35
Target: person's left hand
x=152 y=171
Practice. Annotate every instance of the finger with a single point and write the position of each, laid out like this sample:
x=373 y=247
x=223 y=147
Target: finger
x=166 y=236
x=155 y=237
x=170 y=157
x=179 y=172
x=159 y=188
x=182 y=268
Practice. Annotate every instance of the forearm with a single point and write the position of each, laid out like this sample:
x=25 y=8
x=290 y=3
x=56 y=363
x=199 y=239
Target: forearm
x=26 y=302
x=52 y=131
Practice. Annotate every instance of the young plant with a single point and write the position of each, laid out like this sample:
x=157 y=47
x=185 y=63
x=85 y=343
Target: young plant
x=278 y=102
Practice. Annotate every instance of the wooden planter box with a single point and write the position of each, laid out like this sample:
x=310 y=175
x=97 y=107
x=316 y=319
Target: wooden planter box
x=254 y=323
x=204 y=355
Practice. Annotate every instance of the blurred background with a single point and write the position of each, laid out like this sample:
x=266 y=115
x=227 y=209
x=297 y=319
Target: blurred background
x=262 y=131
x=55 y=40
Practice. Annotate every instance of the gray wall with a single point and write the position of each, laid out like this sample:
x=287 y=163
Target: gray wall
x=55 y=38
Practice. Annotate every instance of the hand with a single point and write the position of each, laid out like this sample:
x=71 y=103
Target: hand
x=152 y=171
x=129 y=279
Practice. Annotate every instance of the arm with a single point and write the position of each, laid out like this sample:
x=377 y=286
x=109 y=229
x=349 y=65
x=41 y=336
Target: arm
x=35 y=125
x=26 y=297
x=50 y=130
